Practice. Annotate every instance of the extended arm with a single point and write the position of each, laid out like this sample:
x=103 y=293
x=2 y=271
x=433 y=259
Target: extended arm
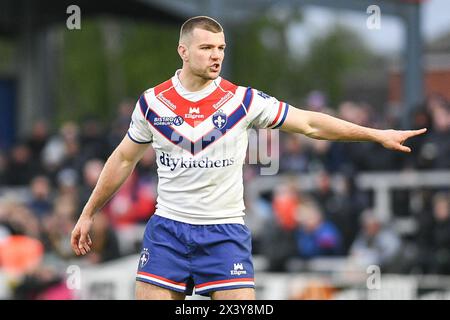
x=325 y=127
x=117 y=169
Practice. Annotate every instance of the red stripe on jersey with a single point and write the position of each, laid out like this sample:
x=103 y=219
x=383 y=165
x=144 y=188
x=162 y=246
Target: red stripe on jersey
x=278 y=114
x=192 y=112
x=228 y=86
x=163 y=86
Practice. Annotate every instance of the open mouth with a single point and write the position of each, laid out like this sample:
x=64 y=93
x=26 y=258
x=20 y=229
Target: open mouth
x=215 y=67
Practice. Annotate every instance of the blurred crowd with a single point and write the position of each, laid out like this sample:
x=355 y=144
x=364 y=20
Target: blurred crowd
x=46 y=179
x=337 y=219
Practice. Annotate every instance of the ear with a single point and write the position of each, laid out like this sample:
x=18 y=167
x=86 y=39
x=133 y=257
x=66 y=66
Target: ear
x=183 y=52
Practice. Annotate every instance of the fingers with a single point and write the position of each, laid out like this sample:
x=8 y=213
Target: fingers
x=83 y=243
x=74 y=241
x=80 y=241
x=408 y=134
x=404 y=149
x=413 y=133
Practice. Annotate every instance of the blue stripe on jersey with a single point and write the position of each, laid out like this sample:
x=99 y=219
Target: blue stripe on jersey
x=286 y=107
x=143 y=105
x=247 y=98
x=185 y=143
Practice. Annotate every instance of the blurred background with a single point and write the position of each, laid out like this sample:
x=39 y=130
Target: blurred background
x=339 y=221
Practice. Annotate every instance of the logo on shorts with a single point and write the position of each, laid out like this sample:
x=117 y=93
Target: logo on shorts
x=238 y=269
x=144 y=258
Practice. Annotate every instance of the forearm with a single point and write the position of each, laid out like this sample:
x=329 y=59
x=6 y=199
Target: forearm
x=116 y=170
x=322 y=126
x=325 y=127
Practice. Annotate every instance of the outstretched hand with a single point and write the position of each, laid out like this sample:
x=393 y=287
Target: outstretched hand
x=80 y=239
x=394 y=139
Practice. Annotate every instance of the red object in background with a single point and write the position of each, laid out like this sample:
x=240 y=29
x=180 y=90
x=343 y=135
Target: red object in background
x=134 y=203
x=20 y=254
x=285 y=208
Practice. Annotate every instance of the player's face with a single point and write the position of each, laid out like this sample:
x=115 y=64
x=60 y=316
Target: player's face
x=206 y=52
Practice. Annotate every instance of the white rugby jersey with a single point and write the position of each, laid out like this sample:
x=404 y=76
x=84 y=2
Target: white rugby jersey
x=200 y=139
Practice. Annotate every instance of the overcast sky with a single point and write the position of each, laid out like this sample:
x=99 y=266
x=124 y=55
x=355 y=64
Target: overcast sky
x=388 y=39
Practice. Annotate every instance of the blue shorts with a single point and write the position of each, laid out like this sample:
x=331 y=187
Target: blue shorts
x=181 y=256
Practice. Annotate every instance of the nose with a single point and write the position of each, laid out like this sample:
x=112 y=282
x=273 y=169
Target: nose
x=216 y=54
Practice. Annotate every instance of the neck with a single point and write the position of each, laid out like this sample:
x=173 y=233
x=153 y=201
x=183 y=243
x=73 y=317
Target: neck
x=192 y=82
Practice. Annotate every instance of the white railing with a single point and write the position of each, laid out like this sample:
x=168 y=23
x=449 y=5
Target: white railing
x=383 y=183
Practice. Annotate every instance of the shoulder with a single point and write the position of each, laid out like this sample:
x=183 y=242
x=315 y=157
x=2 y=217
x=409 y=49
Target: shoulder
x=157 y=89
x=166 y=85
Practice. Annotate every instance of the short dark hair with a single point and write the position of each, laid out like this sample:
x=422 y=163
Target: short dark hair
x=201 y=22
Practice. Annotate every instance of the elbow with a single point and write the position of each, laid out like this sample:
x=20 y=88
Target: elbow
x=120 y=158
x=313 y=133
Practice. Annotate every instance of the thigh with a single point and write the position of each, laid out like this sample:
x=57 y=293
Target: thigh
x=164 y=260
x=234 y=294
x=222 y=260
x=147 y=291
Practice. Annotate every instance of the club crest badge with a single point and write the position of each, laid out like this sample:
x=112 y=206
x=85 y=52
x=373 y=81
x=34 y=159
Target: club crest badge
x=143 y=258
x=219 y=119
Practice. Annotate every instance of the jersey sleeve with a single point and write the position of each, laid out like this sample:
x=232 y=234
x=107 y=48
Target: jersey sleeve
x=139 y=130
x=266 y=111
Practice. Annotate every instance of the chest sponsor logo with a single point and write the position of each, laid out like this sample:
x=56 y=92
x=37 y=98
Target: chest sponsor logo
x=188 y=163
x=194 y=113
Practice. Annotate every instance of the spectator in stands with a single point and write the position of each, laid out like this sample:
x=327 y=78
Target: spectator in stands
x=376 y=244
x=294 y=157
x=21 y=168
x=58 y=226
x=17 y=219
x=92 y=140
x=67 y=183
x=121 y=123
x=5 y=228
x=58 y=149
x=316 y=236
x=435 y=237
x=320 y=158
x=278 y=241
x=44 y=283
x=436 y=146
x=40 y=202
x=135 y=202
x=3 y=168
x=106 y=246
x=339 y=205
x=38 y=138
x=441 y=214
